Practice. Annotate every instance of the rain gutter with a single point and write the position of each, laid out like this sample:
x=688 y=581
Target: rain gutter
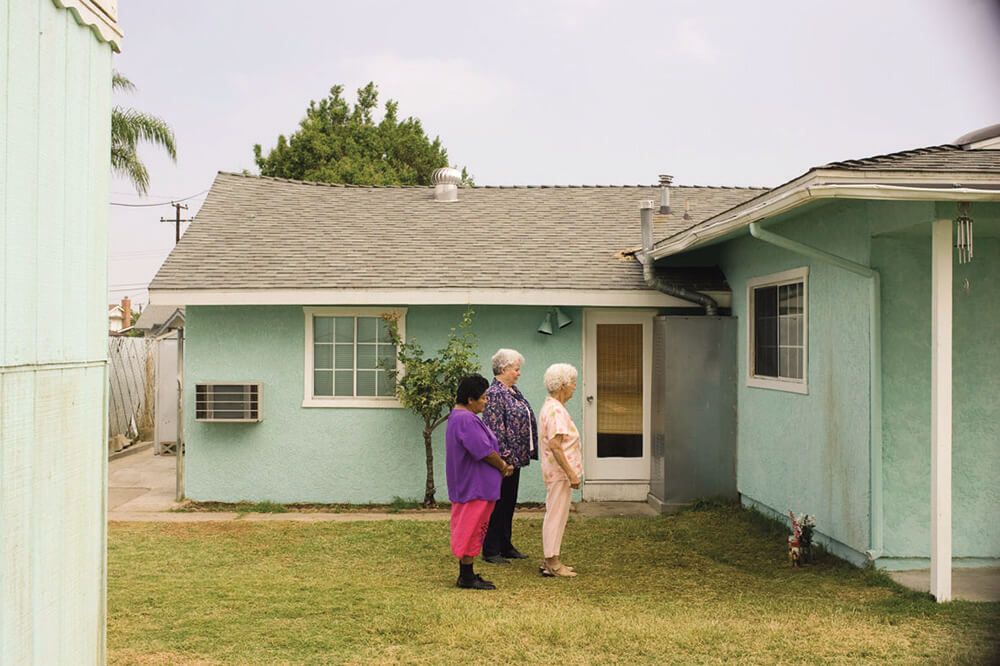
x=875 y=541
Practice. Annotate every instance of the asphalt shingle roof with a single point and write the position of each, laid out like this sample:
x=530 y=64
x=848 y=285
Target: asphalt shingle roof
x=266 y=233
x=934 y=159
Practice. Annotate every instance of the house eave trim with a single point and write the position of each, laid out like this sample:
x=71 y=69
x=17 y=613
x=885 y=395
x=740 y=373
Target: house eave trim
x=543 y=297
x=100 y=17
x=828 y=185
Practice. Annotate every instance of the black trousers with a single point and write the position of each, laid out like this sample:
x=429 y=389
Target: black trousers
x=497 y=540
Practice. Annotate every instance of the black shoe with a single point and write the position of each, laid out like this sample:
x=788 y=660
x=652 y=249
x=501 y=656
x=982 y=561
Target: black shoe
x=475 y=583
x=514 y=554
x=496 y=559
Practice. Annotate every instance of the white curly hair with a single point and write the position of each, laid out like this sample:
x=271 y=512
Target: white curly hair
x=504 y=358
x=558 y=375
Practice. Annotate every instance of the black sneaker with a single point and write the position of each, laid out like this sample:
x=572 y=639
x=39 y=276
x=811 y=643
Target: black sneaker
x=515 y=554
x=475 y=583
x=496 y=559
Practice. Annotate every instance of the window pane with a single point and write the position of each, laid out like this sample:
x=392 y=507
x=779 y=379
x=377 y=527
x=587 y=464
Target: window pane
x=345 y=329
x=323 y=357
x=345 y=357
x=765 y=331
x=344 y=382
x=386 y=353
x=322 y=382
x=366 y=382
x=322 y=329
x=386 y=384
x=383 y=331
x=366 y=329
x=367 y=357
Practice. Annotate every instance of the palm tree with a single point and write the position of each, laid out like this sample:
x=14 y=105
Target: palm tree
x=128 y=128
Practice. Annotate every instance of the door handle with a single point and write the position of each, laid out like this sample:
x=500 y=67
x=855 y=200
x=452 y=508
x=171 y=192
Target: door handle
x=590 y=399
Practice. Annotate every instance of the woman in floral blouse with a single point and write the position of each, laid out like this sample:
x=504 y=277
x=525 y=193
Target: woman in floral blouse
x=562 y=463
x=511 y=419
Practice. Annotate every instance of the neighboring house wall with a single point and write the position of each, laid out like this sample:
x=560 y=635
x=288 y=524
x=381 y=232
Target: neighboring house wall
x=55 y=108
x=320 y=454
x=903 y=259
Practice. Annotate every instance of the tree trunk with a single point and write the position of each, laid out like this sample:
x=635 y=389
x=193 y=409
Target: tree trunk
x=429 y=451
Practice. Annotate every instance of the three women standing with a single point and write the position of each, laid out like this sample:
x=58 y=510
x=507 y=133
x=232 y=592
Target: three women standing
x=510 y=417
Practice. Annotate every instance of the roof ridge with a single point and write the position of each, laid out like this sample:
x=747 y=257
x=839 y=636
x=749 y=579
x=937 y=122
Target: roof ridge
x=488 y=187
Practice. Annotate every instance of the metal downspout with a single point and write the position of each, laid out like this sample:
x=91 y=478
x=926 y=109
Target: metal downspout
x=875 y=370
x=649 y=272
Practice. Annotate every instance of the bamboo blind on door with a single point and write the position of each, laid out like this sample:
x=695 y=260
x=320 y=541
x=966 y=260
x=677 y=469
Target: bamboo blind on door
x=619 y=379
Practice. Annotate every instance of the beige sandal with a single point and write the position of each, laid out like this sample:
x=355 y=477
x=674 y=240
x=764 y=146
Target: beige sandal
x=560 y=570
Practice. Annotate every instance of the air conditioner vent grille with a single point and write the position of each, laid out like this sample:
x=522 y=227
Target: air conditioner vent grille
x=227 y=402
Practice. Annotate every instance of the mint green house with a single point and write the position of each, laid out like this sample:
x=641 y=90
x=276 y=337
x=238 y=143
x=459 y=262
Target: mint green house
x=283 y=284
x=868 y=371
x=806 y=343
x=55 y=115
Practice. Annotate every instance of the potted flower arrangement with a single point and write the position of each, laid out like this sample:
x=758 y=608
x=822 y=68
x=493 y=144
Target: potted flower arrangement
x=800 y=541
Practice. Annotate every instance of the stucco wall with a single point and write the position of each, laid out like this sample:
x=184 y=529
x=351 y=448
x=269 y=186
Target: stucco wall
x=313 y=454
x=904 y=261
x=55 y=107
x=809 y=453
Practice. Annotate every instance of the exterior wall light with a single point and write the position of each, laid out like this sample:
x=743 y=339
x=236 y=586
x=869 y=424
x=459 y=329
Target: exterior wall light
x=562 y=320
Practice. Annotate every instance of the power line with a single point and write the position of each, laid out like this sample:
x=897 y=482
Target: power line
x=150 y=205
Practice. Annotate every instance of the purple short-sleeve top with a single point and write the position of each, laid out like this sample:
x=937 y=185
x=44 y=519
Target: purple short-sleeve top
x=467 y=441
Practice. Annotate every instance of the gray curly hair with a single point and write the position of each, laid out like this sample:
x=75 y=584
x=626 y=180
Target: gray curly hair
x=504 y=358
x=558 y=375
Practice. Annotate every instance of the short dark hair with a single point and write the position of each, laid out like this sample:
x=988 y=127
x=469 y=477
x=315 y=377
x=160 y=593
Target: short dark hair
x=471 y=387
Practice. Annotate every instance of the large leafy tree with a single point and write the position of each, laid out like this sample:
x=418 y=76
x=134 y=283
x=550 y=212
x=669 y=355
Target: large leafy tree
x=336 y=143
x=428 y=383
x=129 y=128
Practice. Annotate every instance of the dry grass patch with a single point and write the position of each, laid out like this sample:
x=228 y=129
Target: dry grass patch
x=657 y=590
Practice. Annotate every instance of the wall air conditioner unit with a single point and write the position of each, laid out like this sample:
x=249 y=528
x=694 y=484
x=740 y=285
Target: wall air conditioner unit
x=227 y=402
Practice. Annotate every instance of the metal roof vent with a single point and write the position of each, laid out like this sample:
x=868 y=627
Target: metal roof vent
x=446 y=182
x=665 y=181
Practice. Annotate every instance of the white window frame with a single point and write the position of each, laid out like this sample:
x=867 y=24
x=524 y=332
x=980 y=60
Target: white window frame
x=308 y=399
x=774 y=280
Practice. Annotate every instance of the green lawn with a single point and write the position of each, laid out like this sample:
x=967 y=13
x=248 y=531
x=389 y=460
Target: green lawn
x=705 y=586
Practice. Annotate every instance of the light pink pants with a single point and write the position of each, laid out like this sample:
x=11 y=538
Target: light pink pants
x=557 y=500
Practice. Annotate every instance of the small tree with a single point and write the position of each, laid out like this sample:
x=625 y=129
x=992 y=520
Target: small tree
x=428 y=384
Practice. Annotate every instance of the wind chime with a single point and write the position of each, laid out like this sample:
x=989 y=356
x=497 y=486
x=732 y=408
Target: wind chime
x=963 y=234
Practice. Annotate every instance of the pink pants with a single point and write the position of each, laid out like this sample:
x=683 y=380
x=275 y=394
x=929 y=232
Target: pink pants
x=557 y=500
x=469 y=521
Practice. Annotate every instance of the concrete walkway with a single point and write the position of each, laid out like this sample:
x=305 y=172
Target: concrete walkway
x=141 y=489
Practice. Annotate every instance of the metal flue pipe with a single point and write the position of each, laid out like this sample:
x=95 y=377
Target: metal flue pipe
x=649 y=271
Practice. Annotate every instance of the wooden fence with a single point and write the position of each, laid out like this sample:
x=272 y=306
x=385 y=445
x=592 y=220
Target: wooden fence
x=132 y=374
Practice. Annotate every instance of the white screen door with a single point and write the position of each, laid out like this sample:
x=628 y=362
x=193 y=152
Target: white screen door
x=616 y=403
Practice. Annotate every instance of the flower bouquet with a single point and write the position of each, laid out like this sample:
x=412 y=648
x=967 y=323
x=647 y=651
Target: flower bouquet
x=800 y=541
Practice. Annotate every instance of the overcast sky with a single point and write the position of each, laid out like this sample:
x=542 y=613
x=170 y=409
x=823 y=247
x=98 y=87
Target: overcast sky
x=554 y=91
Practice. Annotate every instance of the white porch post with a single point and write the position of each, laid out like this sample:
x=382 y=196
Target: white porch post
x=941 y=286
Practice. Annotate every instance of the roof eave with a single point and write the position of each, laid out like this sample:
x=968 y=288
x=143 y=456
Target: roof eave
x=835 y=184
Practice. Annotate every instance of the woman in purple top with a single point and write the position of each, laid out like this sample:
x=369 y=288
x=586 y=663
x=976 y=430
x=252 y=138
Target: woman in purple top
x=474 y=469
x=511 y=419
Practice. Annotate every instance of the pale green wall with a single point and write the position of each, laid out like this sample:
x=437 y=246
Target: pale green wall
x=810 y=452
x=903 y=258
x=55 y=107
x=314 y=454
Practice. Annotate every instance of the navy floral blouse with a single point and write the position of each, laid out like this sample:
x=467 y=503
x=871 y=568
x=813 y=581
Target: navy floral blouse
x=509 y=416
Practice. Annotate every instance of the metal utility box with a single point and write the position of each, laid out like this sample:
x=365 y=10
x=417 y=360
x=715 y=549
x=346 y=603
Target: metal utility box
x=694 y=410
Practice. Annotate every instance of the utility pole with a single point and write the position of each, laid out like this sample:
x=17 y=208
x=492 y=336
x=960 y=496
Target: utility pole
x=177 y=221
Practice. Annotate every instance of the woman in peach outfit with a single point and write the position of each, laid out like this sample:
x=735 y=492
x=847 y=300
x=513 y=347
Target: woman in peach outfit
x=562 y=463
